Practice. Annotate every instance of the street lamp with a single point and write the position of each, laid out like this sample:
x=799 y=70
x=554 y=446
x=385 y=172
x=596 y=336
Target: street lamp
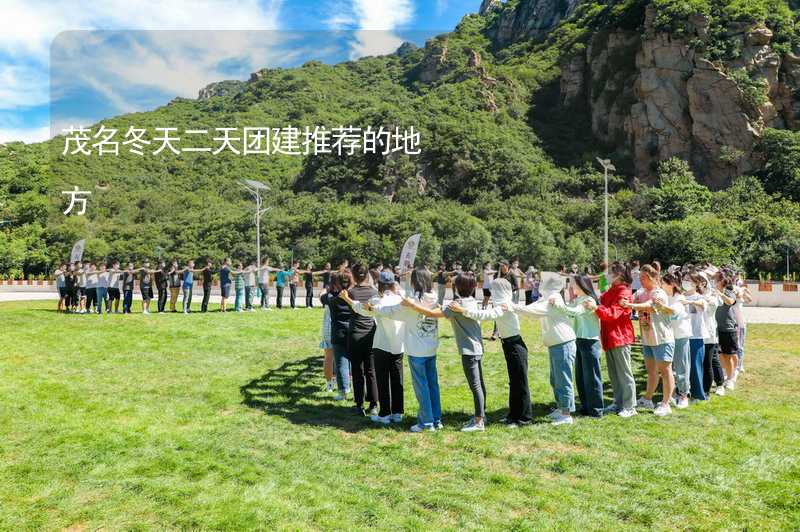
x=255 y=188
x=607 y=167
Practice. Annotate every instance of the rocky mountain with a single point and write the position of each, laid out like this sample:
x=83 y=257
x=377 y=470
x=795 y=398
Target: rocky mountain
x=653 y=89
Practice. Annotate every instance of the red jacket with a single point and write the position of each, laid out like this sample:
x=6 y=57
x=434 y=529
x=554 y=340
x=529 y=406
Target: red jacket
x=616 y=328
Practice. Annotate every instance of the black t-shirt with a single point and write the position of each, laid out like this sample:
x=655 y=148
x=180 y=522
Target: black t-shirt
x=326 y=278
x=512 y=279
x=361 y=327
x=207 y=274
x=309 y=278
x=441 y=277
x=341 y=313
x=145 y=278
x=160 y=278
x=127 y=280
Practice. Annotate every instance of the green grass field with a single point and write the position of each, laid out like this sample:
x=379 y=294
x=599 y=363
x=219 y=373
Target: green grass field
x=221 y=422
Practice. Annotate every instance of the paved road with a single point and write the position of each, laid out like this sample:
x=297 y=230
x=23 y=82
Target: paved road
x=753 y=314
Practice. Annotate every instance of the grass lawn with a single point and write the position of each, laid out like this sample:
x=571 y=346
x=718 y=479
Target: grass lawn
x=221 y=422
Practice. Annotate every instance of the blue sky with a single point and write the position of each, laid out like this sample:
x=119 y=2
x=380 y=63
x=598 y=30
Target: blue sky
x=128 y=66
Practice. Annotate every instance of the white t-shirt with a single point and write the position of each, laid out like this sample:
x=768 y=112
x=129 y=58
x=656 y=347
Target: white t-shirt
x=738 y=311
x=697 y=317
x=389 y=332
x=681 y=321
x=91 y=280
x=487 y=279
x=712 y=302
x=263 y=275
x=103 y=279
x=421 y=337
x=655 y=327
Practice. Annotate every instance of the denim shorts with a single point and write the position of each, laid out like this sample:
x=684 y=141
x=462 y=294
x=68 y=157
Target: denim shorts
x=661 y=352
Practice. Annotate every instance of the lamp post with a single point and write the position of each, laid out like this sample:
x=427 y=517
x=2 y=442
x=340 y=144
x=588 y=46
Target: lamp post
x=255 y=188
x=607 y=167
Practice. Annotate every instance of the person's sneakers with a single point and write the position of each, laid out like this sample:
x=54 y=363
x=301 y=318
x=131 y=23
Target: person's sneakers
x=373 y=411
x=683 y=402
x=730 y=384
x=627 y=412
x=720 y=390
x=645 y=403
x=561 y=419
x=438 y=425
x=555 y=413
x=340 y=396
x=145 y=312
x=422 y=428
x=611 y=409
x=473 y=426
x=663 y=410
x=383 y=420
x=330 y=385
x=397 y=418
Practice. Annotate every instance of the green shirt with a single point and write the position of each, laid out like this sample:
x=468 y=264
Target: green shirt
x=602 y=282
x=586 y=323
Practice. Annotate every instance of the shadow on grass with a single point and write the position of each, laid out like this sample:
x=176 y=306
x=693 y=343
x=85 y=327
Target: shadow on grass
x=293 y=391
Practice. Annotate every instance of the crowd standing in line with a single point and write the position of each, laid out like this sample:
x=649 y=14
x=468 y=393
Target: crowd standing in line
x=691 y=327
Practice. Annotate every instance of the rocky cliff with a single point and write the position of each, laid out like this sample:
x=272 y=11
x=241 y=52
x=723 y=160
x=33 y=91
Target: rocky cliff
x=650 y=94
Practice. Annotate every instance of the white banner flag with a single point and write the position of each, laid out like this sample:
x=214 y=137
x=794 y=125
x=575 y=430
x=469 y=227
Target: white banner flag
x=77 y=251
x=409 y=254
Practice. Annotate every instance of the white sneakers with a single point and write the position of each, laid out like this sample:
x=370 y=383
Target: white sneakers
x=627 y=412
x=611 y=409
x=561 y=419
x=473 y=426
x=340 y=396
x=382 y=420
x=720 y=390
x=662 y=410
x=422 y=428
x=645 y=403
x=683 y=402
x=555 y=413
x=729 y=384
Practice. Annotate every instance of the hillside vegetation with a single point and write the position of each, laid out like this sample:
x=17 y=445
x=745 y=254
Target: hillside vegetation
x=505 y=170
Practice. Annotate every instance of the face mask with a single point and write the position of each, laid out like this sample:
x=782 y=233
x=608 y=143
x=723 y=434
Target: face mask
x=686 y=285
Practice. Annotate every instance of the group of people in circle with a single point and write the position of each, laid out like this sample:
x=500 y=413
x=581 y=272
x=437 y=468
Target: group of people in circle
x=691 y=330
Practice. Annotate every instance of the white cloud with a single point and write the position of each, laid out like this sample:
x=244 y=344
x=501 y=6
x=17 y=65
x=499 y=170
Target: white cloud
x=27 y=135
x=375 y=22
x=29 y=27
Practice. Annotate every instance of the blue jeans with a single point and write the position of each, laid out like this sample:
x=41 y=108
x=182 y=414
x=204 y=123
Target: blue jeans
x=102 y=294
x=697 y=352
x=425 y=379
x=681 y=366
x=742 y=333
x=187 y=297
x=239 y=301
x=562 y=360
x=588 y=378
x=342 y=364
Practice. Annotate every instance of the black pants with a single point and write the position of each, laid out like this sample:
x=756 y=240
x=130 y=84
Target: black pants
x=389 y=380
x=292 y=294
x=588 y=379
x=528 y=297
x=113 y=295
x=162 y=298
x=712 y=369
x=309 y=296
x=519 y=395
x=279 y=297
x=362 y=370
x=91 y=298
x=127 y=301
x=206 y=296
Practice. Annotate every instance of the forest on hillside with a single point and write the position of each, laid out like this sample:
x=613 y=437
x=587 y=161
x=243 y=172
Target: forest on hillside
x=503 y=172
